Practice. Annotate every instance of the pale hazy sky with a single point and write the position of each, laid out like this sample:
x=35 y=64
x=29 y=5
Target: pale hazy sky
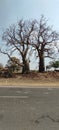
x=13 y=10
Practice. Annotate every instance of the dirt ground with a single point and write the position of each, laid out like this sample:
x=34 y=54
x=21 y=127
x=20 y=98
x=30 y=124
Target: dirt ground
x=34 y=79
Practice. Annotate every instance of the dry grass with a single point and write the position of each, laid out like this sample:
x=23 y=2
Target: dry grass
x=50 y=79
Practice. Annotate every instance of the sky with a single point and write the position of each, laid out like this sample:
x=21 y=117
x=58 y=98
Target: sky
x=12 y=11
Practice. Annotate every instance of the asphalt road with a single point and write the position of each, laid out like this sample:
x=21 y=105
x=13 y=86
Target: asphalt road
x=29 y=109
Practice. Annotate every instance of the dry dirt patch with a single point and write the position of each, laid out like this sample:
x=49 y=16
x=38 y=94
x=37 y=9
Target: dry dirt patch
x=34 y=79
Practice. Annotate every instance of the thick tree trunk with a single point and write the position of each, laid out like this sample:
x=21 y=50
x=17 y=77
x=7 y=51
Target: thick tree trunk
x=25 y=68
x=41 y=64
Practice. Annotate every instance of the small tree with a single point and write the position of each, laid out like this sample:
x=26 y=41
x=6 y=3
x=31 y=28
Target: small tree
x=54 y=64
x=13 y=64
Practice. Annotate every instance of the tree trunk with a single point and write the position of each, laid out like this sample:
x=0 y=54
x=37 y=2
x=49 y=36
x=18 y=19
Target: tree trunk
x=41 y=63
x=25 y=68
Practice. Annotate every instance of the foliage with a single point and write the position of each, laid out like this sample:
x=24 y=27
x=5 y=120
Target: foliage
x=54 y=64
x=13 y=64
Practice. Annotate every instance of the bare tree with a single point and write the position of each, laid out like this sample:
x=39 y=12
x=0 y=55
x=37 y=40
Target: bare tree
x=44 y=41
x=21 y=38
x=17 y=40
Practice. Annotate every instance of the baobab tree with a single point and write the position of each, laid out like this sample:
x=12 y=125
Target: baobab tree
x=44 y=41
x=26 y=35
x=17 y=40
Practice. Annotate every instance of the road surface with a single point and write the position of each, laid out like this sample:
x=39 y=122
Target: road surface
x=29 y=109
